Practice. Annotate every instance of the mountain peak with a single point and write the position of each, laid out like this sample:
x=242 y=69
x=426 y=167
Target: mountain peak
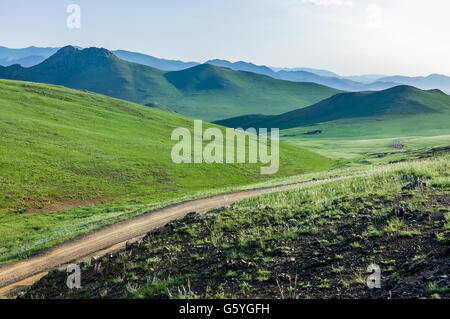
x=402 y=89
x=242 y=66
x=204 y=68
x=436 y=76
x=217 y=61
x=70 y=50
x=201 y=77
x=67 y=49
x=98 y=52
x=70 y=57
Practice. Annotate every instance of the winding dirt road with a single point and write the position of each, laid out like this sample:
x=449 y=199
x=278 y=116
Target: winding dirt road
x=24 y=273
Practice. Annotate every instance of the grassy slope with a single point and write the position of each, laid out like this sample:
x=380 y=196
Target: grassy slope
x=361 y=126
x=96 y=70
x=397 y=103
x=372 y=150
x=205 y=91
x=59 y=145
x=213 y=93
x=311 y=242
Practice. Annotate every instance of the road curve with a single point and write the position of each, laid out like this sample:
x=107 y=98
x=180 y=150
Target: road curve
x=105 y=240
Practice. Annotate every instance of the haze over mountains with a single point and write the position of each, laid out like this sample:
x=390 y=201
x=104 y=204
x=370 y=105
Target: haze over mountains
x=33 y=55
x=310 y=70
x=26 y=57
x=432 y=81
x=352 y=83
x=302 y=75
x=246 y=95
x=162 y=64
x=203 y=91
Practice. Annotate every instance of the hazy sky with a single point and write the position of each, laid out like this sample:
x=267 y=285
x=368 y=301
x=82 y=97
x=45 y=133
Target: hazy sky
x=349 y=37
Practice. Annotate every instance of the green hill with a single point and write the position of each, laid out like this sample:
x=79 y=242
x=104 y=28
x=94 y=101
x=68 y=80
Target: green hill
x=62 y=148
x=419 y=109
x=96 y=70
x=362 y=127
x=205 y=91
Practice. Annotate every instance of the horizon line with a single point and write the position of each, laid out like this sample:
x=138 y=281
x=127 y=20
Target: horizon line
x=234 y=61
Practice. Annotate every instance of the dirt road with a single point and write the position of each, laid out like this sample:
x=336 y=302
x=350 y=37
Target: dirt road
x=26 y=272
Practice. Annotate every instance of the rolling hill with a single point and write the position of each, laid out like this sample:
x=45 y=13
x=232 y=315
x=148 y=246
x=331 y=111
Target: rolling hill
x=382 y=111
x=63 y=148
x=296 y=75
x=204 y=91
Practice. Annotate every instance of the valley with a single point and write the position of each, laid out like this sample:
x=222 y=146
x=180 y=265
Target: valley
x=360 y=128
x=363 y=178
x=61 y=145
x=204 y=92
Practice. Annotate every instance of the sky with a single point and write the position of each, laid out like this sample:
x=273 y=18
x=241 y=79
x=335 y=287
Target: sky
x=349 y=37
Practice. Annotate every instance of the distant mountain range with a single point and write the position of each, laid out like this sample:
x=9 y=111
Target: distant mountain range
x=204 y=91
x=352 y=84
x=31 y=56
x=310 y=70
x=25 y=57
x=295 y=75
x=366 y=78
x=432 y=81
x=34 y=55
x=162 y=64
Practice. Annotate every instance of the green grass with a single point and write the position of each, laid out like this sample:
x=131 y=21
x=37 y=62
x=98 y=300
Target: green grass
x=361 y=127
x=59 y=145
x=248 y=241
x=255 y=232
x=206 y=92
x=367 y=150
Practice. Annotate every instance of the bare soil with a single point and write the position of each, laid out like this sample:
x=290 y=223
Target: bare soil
x=52 y=207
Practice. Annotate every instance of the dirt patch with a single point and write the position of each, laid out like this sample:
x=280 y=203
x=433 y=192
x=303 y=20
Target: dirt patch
x=71 y=203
